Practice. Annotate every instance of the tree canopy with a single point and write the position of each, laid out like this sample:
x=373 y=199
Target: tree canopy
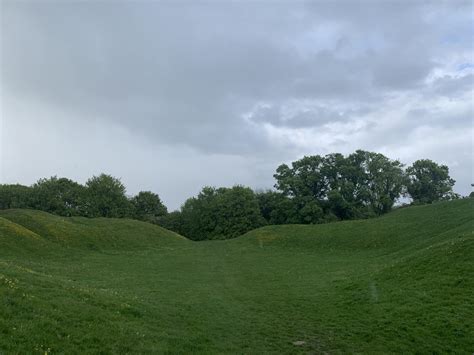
x=220 y=213
x=428 y=182
x=359 y=185
x=15 y=196
x=106 y=197
x=147 y=206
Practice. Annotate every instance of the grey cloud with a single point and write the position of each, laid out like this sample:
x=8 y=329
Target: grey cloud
x=306 y=114
x=452 y=86
x=174 y=64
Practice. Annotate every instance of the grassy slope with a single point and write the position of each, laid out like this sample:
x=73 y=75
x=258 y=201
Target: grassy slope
x=400 y=283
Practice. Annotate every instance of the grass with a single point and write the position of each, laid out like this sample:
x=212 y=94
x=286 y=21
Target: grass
x=400 y=283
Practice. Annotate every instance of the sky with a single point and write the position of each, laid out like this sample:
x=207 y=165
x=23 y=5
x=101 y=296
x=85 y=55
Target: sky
x=171 y=96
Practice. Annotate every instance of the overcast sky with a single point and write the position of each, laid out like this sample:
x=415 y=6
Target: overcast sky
x=172 y=96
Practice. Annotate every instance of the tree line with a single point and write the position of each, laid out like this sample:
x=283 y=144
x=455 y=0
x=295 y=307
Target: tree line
x=101 y=196
x=314 y=189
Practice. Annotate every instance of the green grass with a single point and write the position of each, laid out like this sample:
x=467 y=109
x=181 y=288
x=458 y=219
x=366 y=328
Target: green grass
x=400 y=283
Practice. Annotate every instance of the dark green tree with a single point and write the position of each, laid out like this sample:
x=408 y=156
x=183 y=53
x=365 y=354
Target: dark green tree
x=60 y=196
x=198 y=220
x=171 y=221
x=428 y=182
x=304 y=178
x=15 y=196
x=106 y=198
x=342 y=200
x=309 y=210
x=238 y=212
x=148 y=207
x=276 y=208
x=337 y=187
x=220 y=213
x=378 y=180
x=306 y=183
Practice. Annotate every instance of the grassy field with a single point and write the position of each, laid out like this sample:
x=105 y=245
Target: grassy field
x=400 y=283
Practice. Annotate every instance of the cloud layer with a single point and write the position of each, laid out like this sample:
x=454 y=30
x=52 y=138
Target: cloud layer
x=172 y=96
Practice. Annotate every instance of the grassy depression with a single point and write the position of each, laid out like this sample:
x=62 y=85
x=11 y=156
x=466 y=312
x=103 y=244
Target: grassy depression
x=400 y=283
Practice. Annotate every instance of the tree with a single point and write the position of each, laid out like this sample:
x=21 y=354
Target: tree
x=343 y=200
x=339 y=206
x=60 y=196
x=198 y=220
x=15 y=196
x=171 y=221
x=106 y=198
x=220 y=213
x=378 y=180
x=306 y=184
x=428 y=182
x=304 y=178
x=309 y=211
x=276 y=208
x=237 y=212
x=148 y=207
x=337 y=187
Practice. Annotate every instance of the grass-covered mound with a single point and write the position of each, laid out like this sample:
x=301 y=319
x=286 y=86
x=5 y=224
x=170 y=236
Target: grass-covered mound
x=86 y=233
x=399 y=283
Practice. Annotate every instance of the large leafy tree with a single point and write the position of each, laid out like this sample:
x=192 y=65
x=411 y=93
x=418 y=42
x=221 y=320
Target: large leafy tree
x=148 y=207
x=306 y=183
x=305 y=177
x=359 y=185
x=342 y=200
x=428 y=182
x=106 y=197
x=378 y=181
x=60 y=196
